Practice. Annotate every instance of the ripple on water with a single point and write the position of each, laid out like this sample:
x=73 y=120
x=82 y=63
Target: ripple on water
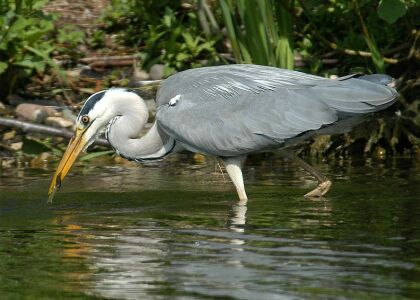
x=159 y=233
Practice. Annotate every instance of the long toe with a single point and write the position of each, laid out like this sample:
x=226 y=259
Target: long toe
x=320 y=190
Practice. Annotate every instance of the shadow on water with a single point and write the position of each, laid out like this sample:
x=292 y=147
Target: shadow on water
x=172 y=230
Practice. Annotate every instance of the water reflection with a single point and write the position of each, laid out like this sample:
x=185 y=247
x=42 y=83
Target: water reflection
x=157 y=232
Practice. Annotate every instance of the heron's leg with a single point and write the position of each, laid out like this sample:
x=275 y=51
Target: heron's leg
x=324 y=184
x=234 y=169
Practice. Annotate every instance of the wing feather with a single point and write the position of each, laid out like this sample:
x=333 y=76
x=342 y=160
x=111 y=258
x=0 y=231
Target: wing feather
x=238 y=109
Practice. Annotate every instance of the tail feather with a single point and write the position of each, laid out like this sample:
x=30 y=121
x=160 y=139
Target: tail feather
x=381 y=79
x=364 y=94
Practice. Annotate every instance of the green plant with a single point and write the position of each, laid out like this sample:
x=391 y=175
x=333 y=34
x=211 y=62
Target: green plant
x=260 y=32
x=69 y=37
x=24 y=48
x=164 y=31
x=358 y=32
x=177 y=46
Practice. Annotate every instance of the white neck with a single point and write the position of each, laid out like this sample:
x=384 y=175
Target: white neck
x=123 y=133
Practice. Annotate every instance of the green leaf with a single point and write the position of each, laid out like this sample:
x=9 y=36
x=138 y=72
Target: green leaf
x=377 y=58
x=39 y=4
x=391 y=10
x=182 y=56
x=33 y=146
x=95 y=154
x=3 y=67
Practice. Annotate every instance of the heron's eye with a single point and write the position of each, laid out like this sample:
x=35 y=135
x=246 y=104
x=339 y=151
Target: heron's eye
x=85 y=119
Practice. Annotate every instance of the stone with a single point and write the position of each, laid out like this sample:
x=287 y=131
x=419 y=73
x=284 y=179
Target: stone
x=2 y=108
x=58 y=122
x=156 y=72
x=9 y=135
x=139 y=75
x=199 y=159
x=16 y=146
x=33 y=112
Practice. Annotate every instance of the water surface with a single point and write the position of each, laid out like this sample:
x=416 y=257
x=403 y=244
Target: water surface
x=174 y=230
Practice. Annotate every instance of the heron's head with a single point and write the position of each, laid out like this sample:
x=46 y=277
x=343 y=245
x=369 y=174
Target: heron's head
x=97 y=112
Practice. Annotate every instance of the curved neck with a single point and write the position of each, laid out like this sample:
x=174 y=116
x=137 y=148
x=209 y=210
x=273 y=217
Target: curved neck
x=123 y=133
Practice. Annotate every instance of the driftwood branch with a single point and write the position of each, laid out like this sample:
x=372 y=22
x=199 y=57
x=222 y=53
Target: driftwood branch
x=109 y=61
x=44 y=129
x=89 y=60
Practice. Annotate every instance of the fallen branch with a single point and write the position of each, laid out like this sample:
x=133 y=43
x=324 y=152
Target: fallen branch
x=109 y=61
x=89 y=60
x=44 y=129
x=112 y=63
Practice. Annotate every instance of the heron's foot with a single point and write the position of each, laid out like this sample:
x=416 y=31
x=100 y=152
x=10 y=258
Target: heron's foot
x=320 y=190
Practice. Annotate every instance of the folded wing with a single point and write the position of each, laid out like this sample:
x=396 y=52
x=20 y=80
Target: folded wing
x=238 y=109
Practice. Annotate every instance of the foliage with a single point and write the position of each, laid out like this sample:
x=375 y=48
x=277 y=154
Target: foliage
x=333 y=37
x=176 y=45
x=68 y=38
x=391 y=10
x=260 y=32
x=23 y=46
x=370 y=45
x=165 y=32
x=367 y=46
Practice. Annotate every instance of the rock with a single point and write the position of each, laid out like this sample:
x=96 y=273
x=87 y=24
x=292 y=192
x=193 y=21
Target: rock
x=58 y=122
x=2 y=108
x=9 y=135
x=16 y=146
x=156 y=72
x=32 y=112
x=199 y=159
x=140 y=75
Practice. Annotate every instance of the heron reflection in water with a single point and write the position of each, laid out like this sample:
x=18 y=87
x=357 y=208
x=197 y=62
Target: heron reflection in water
x=228 y=112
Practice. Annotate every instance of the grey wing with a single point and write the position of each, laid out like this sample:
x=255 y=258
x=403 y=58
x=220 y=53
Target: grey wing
x=235 y=110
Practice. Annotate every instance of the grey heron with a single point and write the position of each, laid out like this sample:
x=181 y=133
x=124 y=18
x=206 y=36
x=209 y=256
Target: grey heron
x=229 y=112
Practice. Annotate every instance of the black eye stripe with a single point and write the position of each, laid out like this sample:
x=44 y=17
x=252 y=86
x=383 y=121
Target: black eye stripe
x=91 y=101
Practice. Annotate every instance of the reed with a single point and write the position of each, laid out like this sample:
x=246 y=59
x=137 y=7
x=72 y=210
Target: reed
x=260 y=31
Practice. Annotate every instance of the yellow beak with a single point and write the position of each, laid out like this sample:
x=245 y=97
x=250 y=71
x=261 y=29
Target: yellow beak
x=76 y=145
